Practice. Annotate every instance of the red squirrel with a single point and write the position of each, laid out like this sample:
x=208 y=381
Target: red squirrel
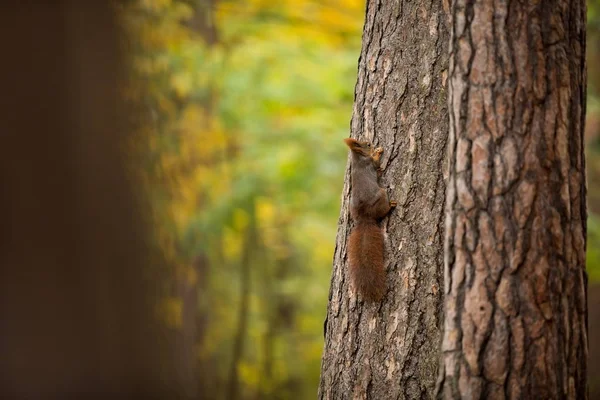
x=369 y=203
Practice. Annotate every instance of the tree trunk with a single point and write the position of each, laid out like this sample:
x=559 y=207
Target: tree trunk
x=515 y=306
x=391 y=349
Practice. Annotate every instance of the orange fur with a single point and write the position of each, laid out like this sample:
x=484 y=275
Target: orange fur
x=365 y=257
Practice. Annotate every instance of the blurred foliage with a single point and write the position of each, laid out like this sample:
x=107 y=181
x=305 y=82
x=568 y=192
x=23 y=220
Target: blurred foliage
x=593 y=139
x=248 y=103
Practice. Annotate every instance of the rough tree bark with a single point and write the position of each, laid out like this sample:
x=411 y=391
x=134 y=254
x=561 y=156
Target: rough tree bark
x=391 y=350
x=515 y=308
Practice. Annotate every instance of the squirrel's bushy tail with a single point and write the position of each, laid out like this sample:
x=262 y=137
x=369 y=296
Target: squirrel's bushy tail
x=365 y=257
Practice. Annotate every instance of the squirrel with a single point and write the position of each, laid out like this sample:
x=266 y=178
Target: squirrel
x=369 y=203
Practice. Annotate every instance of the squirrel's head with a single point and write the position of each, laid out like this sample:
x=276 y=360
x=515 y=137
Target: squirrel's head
x=362 y=148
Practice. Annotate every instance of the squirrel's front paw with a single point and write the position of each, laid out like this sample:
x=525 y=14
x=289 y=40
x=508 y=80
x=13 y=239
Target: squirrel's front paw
x=376 y=154
x=393 y=204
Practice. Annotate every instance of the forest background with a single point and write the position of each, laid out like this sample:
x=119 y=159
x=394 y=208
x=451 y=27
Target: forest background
x=241 y=154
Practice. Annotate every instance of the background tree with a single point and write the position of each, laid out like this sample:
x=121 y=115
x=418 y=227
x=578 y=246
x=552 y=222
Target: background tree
x=391 y=349
x=77 y=293
x=515 y=307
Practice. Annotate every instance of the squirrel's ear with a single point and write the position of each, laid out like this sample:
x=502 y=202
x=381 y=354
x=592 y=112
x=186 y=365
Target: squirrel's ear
x=352 y=143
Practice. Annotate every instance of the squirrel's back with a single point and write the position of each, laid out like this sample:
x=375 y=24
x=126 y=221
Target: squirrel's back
x=365 y=257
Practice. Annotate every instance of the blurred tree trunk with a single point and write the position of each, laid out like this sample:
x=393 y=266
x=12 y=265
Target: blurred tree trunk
x=516 y=313
x=193 y=368
x=279 y=309
x=594 y=345
x=77 y=288
x=391 y=350
x=193 y=329
x=204 y=20
x=244 y=307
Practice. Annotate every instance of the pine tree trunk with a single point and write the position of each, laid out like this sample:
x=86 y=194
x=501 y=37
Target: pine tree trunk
x=515 y=308
x=390 y=350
